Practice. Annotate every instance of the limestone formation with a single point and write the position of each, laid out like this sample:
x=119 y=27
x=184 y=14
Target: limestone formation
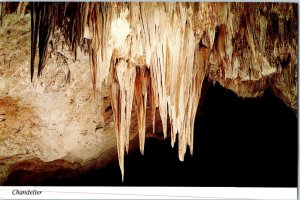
x=158 y=54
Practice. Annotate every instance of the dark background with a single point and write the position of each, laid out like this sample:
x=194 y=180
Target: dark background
x=238 y=142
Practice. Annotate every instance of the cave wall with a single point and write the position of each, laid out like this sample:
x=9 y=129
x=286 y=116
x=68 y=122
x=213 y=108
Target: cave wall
x=55 y=122
x=47 y=119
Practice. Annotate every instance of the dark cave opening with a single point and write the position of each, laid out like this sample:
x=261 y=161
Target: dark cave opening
x=238 y=142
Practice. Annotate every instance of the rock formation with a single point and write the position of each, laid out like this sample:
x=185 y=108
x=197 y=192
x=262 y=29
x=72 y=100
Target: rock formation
x=148 y=56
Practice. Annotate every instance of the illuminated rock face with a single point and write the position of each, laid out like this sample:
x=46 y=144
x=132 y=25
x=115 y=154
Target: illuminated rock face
x=182 y=43
x=160 y=53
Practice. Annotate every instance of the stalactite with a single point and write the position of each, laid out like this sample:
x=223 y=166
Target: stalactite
x=2 y=12
x=46 y=24
x=122 y=92
x=140 y=98
x=152 y=105
x=35 y=21
x=163 y=51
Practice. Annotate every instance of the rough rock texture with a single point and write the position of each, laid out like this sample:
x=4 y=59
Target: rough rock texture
x=139 y=54
x=53 y=123
x=48 y=119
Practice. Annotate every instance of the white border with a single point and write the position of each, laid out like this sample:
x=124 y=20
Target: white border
x=152 y=193
x=232 y=193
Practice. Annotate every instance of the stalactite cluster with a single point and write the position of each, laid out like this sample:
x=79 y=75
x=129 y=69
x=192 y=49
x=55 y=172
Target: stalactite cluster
x=159 y=54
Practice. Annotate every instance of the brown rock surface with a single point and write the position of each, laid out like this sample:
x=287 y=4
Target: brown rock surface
x=50 y=124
